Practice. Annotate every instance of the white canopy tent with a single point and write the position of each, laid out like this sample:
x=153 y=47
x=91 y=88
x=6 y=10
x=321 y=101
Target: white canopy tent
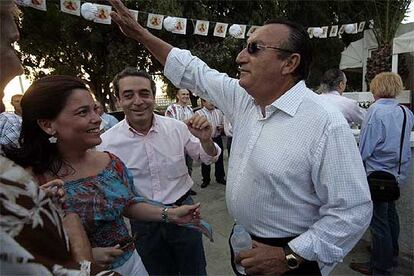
x=356 y=54
x=402 y=44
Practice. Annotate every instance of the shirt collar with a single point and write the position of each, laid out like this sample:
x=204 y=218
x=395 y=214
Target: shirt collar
x=334 y=92
x=387 y=101
x=290 y=101
x=155 y=126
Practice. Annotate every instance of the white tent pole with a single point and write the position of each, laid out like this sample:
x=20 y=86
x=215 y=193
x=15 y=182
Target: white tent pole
x=394 y=62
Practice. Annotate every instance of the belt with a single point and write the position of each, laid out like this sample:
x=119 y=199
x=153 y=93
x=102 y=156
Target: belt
x=180 y=201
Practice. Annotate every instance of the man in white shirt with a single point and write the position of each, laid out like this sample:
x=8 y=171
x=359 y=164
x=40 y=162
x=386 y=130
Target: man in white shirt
x=296 y=180
x=182 y=111
x=153 y=147
x=215 y=118
x=11 y=124
x=333 y=84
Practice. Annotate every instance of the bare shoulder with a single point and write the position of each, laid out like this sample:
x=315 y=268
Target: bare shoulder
x=101 y=159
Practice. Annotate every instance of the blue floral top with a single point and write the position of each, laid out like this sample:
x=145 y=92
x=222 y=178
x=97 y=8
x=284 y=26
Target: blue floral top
x=100 y=202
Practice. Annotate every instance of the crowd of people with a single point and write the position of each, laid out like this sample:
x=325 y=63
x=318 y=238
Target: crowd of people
x=296 y=179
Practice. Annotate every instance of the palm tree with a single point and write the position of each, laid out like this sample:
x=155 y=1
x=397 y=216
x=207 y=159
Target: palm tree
x=387 y=16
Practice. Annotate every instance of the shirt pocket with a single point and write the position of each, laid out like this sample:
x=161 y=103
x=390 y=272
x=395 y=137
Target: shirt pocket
x=174 y=166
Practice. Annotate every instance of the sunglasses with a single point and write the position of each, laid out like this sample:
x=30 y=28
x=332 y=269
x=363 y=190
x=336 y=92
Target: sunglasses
x=253 y=47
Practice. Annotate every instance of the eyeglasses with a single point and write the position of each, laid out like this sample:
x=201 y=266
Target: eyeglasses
x=253 y=47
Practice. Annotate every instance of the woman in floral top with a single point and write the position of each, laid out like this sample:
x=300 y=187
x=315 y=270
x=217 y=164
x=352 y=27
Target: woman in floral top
x=60 y=128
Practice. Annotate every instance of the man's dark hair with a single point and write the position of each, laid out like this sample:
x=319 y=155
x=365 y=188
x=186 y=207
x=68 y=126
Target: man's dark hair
x=330 y=80
x=298 y=42
x=134 y=72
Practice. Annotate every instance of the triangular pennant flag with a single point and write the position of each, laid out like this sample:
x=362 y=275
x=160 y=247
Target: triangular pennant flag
x=334 y=31
x=70 y=6
x=342 y=29
x=220 y=29
x=38 y=4
x=310 y=32
x=180 y=26
x=103 y=14
x=252 y=30
x=324 y=32
x=201 y=27
x=155 y=21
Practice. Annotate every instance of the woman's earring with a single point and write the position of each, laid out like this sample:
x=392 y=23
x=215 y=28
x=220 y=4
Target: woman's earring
x=53 y=139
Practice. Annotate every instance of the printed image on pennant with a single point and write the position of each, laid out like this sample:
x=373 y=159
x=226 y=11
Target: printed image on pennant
x=155 y=21
x=70 y=6
x=201 y=27
x=324 y=32
x=180 y=26
x=310 y=32
x=334 y=31
x=220 y=29
x=342 y=29
x=134 y=14
x=361 y=26
x=102 y=16
x=355 y=28
x=38 y=4
x=252 y=30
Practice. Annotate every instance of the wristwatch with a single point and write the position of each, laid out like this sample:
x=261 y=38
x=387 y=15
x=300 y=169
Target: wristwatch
x=292 y=260
x=164 y=215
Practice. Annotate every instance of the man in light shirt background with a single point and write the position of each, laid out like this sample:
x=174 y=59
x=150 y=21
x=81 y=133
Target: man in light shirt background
x=215 y=118
x=11 y=123
x=333 y=84
x=182 y=111
x=108 y=120
x=153 y=148
x=296 y=180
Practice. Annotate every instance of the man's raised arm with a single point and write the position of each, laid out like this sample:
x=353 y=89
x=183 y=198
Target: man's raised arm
x=132 y=29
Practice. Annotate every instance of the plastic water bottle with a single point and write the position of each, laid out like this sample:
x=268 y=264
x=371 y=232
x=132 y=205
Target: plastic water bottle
x=240 y=240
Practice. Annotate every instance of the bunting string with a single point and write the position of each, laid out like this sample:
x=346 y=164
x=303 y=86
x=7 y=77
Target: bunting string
x=100 y=14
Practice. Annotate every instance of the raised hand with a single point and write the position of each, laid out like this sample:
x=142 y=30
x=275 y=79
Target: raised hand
x=125 y=21
x=200 y=127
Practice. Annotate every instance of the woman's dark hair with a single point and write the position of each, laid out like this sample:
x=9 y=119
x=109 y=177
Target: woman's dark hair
x=297 y=42
x=44 y=99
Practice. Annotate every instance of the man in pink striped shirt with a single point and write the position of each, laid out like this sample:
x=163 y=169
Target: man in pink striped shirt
x=153 y=149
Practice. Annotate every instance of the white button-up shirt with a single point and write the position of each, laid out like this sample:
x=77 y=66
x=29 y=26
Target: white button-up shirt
x=348 y=107
x=156 y=160
x=295 y=172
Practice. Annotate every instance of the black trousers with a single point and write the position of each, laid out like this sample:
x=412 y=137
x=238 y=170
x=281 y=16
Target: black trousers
x=219 y=166
x=306 y=268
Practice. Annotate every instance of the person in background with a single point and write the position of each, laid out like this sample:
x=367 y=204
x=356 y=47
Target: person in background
x=332 y=86
x=107 y=119
x=228 y=131
x=215 y=118
x=60 y=128
x=153 y=148
x=33 y=231
x=379 y=144
x=10 y=123
x=182 y=111
x=296 y=180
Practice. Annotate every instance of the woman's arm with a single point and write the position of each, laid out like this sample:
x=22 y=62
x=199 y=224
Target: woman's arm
x=179 y=215
x=79 y=243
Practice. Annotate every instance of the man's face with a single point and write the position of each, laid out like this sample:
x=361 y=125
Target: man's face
x=261 y=72
x=99 y=108
x=137 y=99
x=15 y=101
x=10 y=64
x=183 y=96
x=208 y=105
